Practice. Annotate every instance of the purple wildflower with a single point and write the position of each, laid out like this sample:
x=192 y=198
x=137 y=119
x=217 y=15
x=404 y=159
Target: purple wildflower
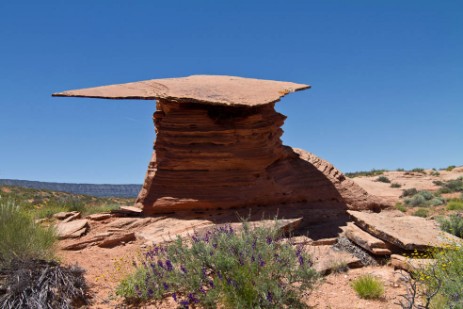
x=165 y=286
x=192 y=298
x=184 y=303
x=261 y=263
x=150 y=292
x=219 y=274
x=183 y=269
x=169 y=265
x=204 y=272
x=174 y=296
x=269 y=240
x=211 y=283
x=269 y=296
x=160 y=264
x=301 y=260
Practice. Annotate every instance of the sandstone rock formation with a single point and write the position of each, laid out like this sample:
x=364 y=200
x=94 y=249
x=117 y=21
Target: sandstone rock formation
x=218 y=146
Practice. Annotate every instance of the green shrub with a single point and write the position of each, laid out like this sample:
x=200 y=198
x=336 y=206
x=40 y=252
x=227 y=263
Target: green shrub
x=453 y=225
x=435 y=173
x=20 y=237
x=444 y=278
x=400 y=169
x=368 y=287
x=455 y=185
x=424 y=199
x=455 y=205
x=249 y=269
x=383 y=179
x=450 y=168
x=395 y=185
x=419 y=170
x=422 y=212
x=401 y=207
x=372 y=172
x=416 y=200
x=409 y=192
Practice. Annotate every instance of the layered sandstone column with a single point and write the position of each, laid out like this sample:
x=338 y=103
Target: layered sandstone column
x=218 y=146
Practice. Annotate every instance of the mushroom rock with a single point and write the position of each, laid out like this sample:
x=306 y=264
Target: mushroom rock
x=218 y=146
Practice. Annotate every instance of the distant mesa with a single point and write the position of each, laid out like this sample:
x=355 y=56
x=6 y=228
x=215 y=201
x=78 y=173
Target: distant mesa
x=218 y=146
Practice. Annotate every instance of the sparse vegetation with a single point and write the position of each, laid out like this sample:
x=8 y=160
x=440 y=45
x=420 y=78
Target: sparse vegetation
x=409 y=192
x=20 y=237
x=372 y=172
x=422 y=199
x=455 y=204
x=418 y=170
x=421 y=212
x=453 y=225
x=383 y=179
x=401 y=207
x=395 y=185
x=43 y=203
x=368 y=287
x=455 y=185
x=246 y=269
x=435 y=173
x=450 y=168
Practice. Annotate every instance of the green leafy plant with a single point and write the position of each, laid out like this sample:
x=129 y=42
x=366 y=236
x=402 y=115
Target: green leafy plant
x=421 y=212
x=368 y=287
x=401 y=207
x=383 y=179
x=455 y=204
x=20 y=237
x=395 y=185
x=409 y=192
x=226 y=268
x=453 y=225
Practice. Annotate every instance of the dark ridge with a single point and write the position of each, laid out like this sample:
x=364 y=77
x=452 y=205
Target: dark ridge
x=103 y=190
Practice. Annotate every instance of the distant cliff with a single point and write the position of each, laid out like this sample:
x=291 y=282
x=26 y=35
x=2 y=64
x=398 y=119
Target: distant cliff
x=104 y=190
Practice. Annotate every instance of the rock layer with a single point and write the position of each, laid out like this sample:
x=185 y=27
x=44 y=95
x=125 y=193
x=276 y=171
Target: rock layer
x=218 y=146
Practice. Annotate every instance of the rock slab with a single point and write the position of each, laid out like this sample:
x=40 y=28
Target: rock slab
x=406 y=232
x=72 y=229
x=366 y=240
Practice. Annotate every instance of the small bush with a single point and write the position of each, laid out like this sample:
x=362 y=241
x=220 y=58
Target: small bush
x=224 y=268
x=450 y=168
x=422 y=212
x=372 y=172
x=437 y=201
x=415 y=201
x=20 y=237
x=442 y=280
x=400 y=169
x=401 y=207
x=455 y=205
x=419 y=170
x=455 y=185
x=453 y=225
x=383 y=179
x=435 y=173
x=409 y=192
x=424 y=199
x=368 y=287
x=395 y=185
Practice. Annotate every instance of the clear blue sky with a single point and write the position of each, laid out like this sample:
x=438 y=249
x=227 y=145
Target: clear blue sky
x=386 y=78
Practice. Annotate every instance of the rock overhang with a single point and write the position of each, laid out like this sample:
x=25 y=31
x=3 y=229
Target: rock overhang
x=206 y=89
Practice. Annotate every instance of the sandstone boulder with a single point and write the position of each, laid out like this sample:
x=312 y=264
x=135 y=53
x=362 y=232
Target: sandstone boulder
x=366 y=240
x=406 y=232
x=72 y=229
x=326 y=258
x=409 y=264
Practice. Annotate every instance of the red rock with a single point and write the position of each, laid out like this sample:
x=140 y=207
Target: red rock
x=72 y=229
x=218 y=146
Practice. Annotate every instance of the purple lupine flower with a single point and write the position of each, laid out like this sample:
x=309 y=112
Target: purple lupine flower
x=253 y=259
x=254 y=243
x=211 y=283
x=160 y=264
x=301 y=260
x=214 y=245
x=165 y=286
x=204 y=272
x=183 y=269
x=184 y=303
x=261 y=263
x=298 y=250
x=150 y=292
x=269 y=240
x=192 y=298
x=202 y=290
x=169 y=265
x=174 y=296
x=219 y=275
x=269 y=297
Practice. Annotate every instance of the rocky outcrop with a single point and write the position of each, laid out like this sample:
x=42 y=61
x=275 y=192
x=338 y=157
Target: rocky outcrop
x=218 y=146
